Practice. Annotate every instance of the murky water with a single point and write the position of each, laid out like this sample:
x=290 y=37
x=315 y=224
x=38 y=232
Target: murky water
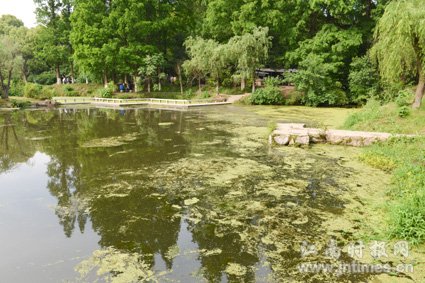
x=157 y=195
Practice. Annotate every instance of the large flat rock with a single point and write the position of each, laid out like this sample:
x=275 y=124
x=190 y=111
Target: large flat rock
x=298 y=134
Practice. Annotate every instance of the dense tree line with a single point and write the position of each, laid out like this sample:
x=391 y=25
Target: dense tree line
x=338 y=47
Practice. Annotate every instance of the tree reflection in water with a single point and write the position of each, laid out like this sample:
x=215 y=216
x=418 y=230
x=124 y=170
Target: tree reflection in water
x=137 y=175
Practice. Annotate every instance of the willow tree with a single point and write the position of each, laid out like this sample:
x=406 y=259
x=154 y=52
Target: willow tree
x=210 y=58
x=252 y=51
x=400 y=44
x=10 y=62
x=197 y=66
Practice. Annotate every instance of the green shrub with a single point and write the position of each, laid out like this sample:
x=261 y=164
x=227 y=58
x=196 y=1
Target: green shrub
x=107 y=92
x=316 y=79
x=46 y=78
x=69 y=91
x=363 y=80
x=408 y=219
x=294 y=98
x=228 y=82
x=267 y=96
x=273 y=81
x=37 y=91
x=112 y=87
x=33 y=90
x=404 y=111
x=205 y=95
x=20 y=104
x=16 y=88
x=189 y=94
x=404 y=98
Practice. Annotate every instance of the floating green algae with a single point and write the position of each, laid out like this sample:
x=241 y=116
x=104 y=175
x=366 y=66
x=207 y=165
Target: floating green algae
x=110 y=141
x=243 y=204
x=191 y=201
x=166 y=124
x=112 y=265
x=214 y=252
x=172 y=252
x=236 y=269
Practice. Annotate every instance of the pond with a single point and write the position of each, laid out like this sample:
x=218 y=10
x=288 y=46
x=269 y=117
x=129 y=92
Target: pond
x=170 y=196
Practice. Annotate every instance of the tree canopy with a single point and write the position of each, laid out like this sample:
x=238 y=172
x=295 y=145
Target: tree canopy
x=11 y=60
x=400 y=44
x=222 y=43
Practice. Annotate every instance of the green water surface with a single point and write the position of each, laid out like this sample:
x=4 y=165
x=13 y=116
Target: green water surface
x=159 y=195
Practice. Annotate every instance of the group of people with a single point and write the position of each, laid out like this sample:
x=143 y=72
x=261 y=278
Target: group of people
x=125 y=87
x=67 y=80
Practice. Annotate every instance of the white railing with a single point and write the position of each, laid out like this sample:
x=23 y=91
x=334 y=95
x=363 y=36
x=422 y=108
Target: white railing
x=89 y=100
x=69 y=100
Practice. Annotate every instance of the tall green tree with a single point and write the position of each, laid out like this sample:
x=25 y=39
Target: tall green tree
x=208 y=56
x=26 y=39
x=197 y=66
x=131 y=28
x=49 y=51
x=151 y=67
x=400 y=44
x=324 y=65
x=10 y=62
x=212 y=57
x=92 y=38
x=251 y=51
x=8 y=22
x=53 y=44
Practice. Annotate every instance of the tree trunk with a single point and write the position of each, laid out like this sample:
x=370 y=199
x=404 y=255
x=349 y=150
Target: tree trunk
x=72 y=74
x=9 y=79
x=105 y=79
x=199 y=85
x=87 y=80
x=218 y=87
x=253 y=86
x=126 y=79
x=24 y=72
x=6 y=93
x=159 y=80
x=243 y=83
x=58 y=75
x=135 y=83
x=6 y=87
x=3 y=94
x=419 y=91
x=179 y=71
x=149 y=85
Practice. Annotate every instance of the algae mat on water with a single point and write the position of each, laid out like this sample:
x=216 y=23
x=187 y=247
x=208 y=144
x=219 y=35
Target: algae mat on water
x=202 y=199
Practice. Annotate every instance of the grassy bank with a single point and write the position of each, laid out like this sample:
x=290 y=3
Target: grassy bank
x=43 y=92
x=375 y=117
x=405 y=159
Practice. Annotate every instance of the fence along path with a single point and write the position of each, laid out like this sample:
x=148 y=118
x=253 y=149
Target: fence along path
x=137 y=101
